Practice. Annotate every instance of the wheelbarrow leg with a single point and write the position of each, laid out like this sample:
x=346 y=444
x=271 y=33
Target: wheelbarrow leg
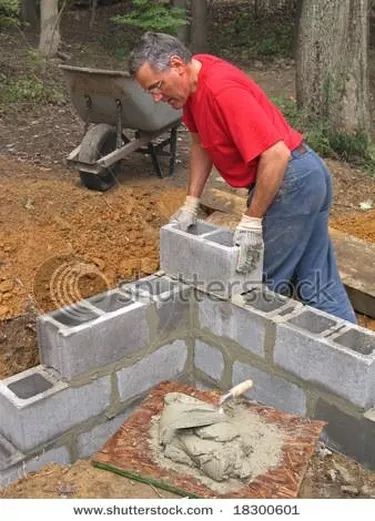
x=157 y=151
x=155 y=160
x=172 y=150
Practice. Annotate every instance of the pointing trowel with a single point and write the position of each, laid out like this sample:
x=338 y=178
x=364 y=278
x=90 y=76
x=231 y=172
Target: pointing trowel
x=236 y=391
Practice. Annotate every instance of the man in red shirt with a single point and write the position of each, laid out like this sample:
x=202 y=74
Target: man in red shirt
x=235 y=127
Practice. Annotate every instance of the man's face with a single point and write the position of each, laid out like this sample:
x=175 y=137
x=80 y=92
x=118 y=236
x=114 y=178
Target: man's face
x=170 y=86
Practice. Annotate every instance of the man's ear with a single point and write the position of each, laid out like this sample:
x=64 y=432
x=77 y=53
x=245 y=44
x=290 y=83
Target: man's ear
x=177 y=63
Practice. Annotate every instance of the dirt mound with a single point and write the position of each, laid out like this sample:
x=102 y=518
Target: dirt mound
x=60 y=243
x=359 y=224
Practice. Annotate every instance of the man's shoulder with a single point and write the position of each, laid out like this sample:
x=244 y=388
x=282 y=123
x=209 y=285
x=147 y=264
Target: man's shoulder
x=220 y=76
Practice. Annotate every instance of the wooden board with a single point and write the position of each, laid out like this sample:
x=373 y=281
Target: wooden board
x=128 y=451
x=356 y=261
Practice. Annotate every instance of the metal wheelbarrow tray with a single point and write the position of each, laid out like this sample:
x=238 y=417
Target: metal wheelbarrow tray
x=110 y=102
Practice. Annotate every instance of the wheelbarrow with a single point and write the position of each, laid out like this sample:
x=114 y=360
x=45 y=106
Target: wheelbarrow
x=110 y=103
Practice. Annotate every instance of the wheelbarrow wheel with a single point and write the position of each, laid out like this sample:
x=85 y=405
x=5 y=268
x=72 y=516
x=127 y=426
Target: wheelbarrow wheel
x=99 y=141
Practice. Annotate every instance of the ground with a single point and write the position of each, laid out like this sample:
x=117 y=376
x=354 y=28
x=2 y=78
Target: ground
x=48 y=221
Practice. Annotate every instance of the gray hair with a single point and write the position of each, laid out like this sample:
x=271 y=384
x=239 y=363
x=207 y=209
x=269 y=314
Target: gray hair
x=156 y=49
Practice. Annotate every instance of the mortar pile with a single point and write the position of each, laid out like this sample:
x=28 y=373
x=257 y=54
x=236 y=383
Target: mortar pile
x=226 y=448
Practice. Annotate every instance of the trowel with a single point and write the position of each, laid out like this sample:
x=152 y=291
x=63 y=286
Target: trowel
x=234 y=392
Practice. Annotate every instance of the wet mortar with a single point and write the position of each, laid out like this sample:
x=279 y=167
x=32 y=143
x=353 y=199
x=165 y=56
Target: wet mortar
x=222 y=450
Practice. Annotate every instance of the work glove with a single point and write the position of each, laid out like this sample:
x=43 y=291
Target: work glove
x=248 y=236
x=186 y=216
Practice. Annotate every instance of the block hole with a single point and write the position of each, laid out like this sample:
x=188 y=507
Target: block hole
x=264 y=301
x=359 y=341
x=109 y=302
x=74 y=315
x=312 y=322
x=200 y=229
x=30 y=386
x=225 y=238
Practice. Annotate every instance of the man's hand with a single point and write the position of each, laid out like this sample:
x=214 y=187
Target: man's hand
x=186 y=216
x=248 y=236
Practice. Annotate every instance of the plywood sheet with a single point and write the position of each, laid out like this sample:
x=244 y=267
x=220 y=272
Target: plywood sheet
x=128 y=452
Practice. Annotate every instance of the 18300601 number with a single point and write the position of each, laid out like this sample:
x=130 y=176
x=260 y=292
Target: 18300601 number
x=266 y=510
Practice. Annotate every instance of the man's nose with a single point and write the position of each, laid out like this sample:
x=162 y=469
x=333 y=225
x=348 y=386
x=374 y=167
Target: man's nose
x=157 y=96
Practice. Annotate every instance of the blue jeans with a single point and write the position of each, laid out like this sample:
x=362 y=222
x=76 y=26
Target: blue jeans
x=298 y=254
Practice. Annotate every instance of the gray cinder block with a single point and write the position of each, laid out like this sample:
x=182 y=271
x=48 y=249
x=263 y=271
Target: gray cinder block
x=36 y=407
x=270 y=389
x=329 y=361
x=170 y=300
x=77 y=348
x=90 y=441
x=315 y=321
x=209 y=360
x=246 y=318
x=206 y=260
x=352 y=435
x=167 y=363
x=15 y=471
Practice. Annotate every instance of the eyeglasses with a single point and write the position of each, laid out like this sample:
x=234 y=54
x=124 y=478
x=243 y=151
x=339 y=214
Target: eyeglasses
x=155 y=87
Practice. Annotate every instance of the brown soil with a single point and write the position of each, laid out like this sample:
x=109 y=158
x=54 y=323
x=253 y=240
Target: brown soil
x=329 y=475
x=49 y=225
x=359 y=224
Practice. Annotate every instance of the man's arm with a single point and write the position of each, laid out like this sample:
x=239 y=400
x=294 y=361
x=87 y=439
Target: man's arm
x=271 y=169
x=248 y=235
x=200 y=167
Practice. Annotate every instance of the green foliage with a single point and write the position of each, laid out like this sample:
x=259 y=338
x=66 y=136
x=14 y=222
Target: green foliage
x=28 y=89
x=235 y=31
x=9 y=12
x=355 y=148
x=151 y=15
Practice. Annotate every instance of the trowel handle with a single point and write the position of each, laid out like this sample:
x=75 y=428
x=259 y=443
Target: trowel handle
x=241 y=388
x=237 y=390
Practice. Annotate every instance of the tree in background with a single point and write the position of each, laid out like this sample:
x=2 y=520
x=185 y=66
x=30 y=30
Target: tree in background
x=49 y=27
x=332 y=69
x=30 y=13
x=199 y=23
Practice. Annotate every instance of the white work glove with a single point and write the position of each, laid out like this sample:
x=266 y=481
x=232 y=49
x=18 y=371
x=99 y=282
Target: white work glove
x=186 y=216
x=248 y=236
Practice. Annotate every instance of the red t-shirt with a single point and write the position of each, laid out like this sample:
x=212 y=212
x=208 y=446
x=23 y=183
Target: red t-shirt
x=235 y=120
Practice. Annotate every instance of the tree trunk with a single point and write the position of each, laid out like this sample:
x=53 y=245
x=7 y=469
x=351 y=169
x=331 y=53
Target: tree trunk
x=183 y=32
x=49 y=27
x=332 y=69
x=29 y=13
x=199 y=20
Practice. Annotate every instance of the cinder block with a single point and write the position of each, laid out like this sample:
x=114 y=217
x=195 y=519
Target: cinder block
x=209 y=360
x=245 y=319
x=74 y=349
x=58 y=455
x=270 y=389
x=352 y=435
x=170 y=299
x=315 y=321
x=20 y=470
x=205 y=260
x=358 y=339
x=91 y=441
x=36 y=407
x=9 y=455
x=204 y=386
x=167 y=363
x=322 y=360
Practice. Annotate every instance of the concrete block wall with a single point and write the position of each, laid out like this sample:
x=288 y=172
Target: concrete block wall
x=101 y=356
x=301 y=360
x=99 y=359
